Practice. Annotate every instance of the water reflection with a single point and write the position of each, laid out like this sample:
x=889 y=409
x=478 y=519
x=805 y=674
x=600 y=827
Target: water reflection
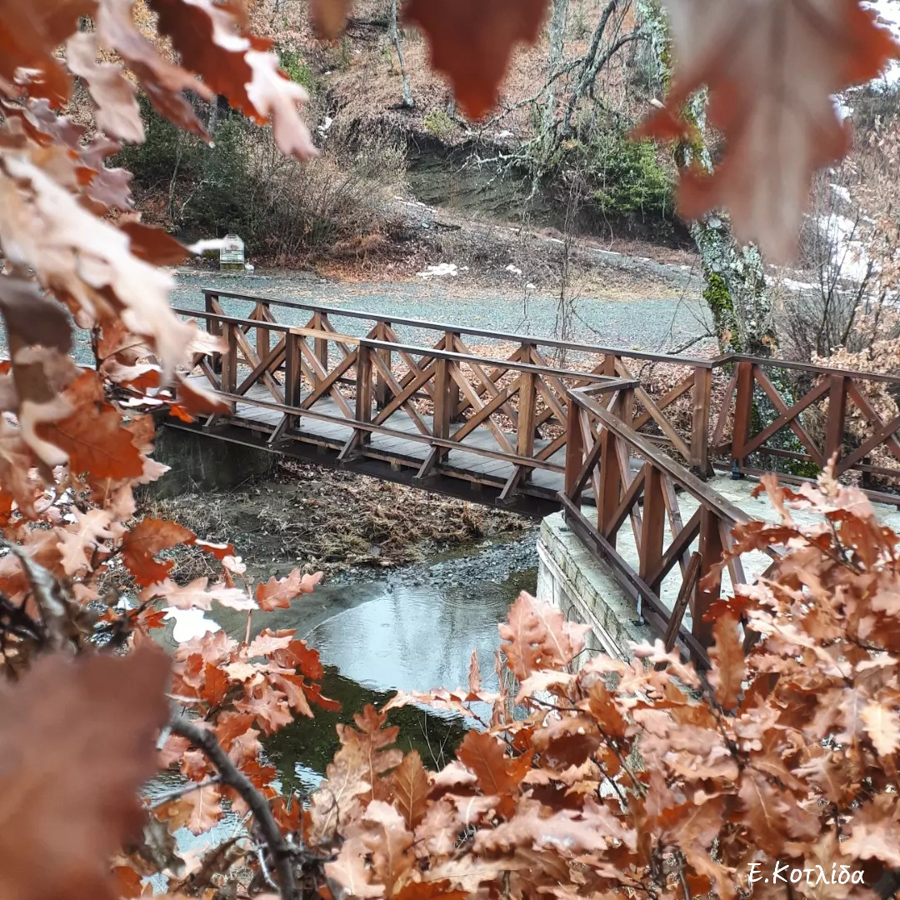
x=417 y=637
x=407 y=637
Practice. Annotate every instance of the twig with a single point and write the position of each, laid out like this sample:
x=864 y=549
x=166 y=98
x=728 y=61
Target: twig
x=261 y=857
x=48 y=596
x=184 y=789
x=282 y=852
x=684 y=885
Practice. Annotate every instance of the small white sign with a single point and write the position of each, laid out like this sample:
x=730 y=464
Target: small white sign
x=232 y=251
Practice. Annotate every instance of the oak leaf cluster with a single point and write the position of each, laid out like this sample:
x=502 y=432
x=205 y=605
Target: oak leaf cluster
x=593 y=777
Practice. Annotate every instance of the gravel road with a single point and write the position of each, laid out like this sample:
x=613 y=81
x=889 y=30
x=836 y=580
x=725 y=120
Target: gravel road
x=655 y=324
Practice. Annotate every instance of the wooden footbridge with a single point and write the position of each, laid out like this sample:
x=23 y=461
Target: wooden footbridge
x=614 y=437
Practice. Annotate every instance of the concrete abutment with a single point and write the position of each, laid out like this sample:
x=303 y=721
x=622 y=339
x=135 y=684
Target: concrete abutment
x=201 y=462
x=584 y=589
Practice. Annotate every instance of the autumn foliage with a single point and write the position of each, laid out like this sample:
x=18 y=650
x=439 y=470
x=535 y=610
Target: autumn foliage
x=599 y=777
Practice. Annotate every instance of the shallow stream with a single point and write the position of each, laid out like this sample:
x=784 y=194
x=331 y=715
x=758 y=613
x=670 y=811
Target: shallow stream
x=412 y=630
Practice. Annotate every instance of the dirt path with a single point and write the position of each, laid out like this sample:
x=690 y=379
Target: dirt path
x=621 y=308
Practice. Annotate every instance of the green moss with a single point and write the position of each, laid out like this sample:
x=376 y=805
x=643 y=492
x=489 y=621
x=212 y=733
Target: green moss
x=718 y=299
x=804 y=469
x=294 y=66
x=438 y=123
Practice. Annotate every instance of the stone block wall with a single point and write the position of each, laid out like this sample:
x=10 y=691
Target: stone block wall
x=573 y=580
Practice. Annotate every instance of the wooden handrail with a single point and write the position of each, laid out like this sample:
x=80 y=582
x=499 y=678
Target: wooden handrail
x=674 y=359
x=459 y=329
x=692 y=396
x=648 y=499
x=679 y=474
x=604 y=382
x=812 y=368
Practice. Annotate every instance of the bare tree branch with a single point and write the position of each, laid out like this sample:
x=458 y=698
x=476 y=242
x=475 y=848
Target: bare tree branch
x=184 y=789
x=283 y=853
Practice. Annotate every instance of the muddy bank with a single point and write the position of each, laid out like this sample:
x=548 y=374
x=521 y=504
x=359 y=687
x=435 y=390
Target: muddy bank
x=325 y=520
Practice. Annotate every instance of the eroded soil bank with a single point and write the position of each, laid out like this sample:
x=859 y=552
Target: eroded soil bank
x=318 y=519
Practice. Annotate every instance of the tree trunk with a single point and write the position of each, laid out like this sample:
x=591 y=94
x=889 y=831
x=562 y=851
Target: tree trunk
x=398 y=46
x=555 y=58
x=734 y=289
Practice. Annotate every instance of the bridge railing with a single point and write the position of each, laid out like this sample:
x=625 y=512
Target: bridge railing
x=675 y=414
x=508 y=410
x=794 y=417
x=660 y=529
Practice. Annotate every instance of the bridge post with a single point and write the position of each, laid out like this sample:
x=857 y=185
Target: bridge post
x=229 y=362
x=320 y=345
x=743 y=407
x=837 y=410
x=381 y=385
x=262 y=333
x=293 y=375
x=711 y=549
x=454 y=397
x=699 y=461
x=574 y=452
x=525 y=429
x=211 y=303
x=443 y=403
x=611 y=474
x=653 y=522
x=363 y=391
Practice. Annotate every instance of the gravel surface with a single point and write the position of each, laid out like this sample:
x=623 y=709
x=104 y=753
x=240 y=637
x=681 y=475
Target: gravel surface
x=657 y=323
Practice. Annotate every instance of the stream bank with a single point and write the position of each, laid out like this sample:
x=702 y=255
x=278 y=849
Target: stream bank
x=321 y=519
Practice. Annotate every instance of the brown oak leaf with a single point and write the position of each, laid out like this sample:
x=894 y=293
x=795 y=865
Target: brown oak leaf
x=278 y=593
x=882 y=723
x=537 y=636
x=198 y=594
x=236 y=65
x=81 y=539
x=294 y=688
x=329 y=17
x=197 y=810
x=411 y=786
x=147 y=538
x=117 y=110
x=772 y=101
x=875 y=832
x=727 y=657
x=765 y=812
x=486 y=756
x=268 y=642
x=375 y=740
x=472 y=42
x=269 y=707
x=77 y=740
x=93 y=435
x=334 y=803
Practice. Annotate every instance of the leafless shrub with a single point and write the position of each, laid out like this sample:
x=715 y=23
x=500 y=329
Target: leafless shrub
x=343 y=196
